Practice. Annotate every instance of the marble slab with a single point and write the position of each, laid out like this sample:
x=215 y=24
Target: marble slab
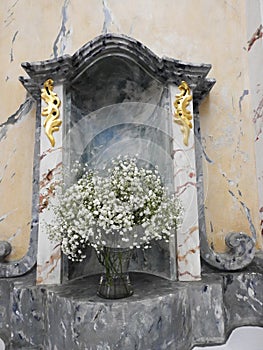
x=185 y=186
x=50 y=175
x=161 y=314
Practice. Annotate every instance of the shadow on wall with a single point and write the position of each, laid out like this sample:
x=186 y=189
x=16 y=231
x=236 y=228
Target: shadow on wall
x=241 y=338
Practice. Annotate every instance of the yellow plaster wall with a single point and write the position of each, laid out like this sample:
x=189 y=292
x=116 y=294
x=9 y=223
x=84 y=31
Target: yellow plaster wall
x=209 y=31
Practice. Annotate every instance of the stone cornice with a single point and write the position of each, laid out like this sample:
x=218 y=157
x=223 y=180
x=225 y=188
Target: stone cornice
x=167 y=70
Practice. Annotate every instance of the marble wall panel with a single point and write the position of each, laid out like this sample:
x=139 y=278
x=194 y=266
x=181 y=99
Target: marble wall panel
x=255 y=57
x=16 y=169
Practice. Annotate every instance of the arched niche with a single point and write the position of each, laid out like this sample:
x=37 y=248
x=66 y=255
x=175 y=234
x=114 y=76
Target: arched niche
x=115 y=70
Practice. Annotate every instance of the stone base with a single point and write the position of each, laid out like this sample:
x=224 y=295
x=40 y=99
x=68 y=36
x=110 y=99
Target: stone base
x=159 y=315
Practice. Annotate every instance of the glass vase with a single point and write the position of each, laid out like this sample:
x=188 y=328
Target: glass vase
x=115 y=280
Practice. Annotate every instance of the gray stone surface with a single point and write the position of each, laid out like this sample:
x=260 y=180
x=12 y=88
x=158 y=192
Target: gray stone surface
x=5 y=249
x=5 y=293
x=245 y=292
x=147 y=320
x=207 y=310
x=161 y=314
x=28 y=315
x=66 y=68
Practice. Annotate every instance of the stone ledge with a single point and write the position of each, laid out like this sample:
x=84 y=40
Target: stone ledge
x=160 y=315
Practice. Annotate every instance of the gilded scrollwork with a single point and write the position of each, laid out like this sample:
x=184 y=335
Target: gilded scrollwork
x=182 y=116
x=51 y=111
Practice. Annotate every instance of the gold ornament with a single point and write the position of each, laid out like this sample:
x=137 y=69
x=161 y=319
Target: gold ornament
x=182 y=116
x=51 y=112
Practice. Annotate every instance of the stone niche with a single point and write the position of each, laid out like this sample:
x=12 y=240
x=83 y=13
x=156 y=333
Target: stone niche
x=116 y=107
x=117 y=98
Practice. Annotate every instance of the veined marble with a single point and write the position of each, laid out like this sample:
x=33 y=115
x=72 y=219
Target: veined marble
x=50 y=176
x=255 y=57
x=161 y=314
x=188 y=245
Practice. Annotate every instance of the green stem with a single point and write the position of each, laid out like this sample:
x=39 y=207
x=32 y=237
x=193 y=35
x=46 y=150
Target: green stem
x=113 y=264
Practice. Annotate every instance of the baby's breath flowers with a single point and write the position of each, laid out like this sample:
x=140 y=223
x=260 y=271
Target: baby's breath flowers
x=127 y=208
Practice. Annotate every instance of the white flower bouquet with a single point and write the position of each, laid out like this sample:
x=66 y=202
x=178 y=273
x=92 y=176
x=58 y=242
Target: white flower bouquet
x=127 y=208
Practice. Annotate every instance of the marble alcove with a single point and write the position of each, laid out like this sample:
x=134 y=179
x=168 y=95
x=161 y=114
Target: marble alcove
x=118 y=97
